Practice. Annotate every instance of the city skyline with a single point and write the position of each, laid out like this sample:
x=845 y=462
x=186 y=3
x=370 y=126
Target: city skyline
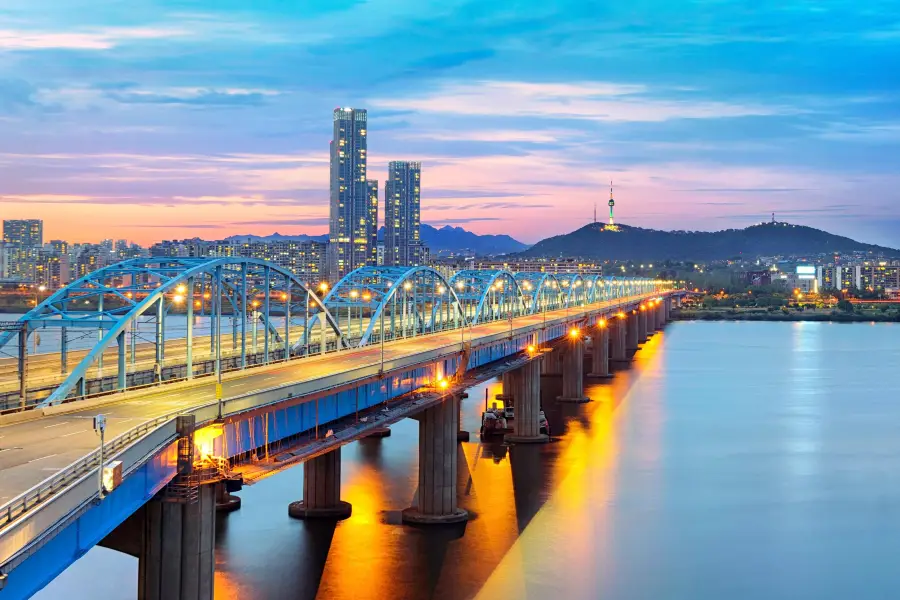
x=213 y=123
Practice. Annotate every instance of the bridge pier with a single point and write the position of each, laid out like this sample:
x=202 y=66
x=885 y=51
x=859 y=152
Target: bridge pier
x=631 y=333
x=651 y=319
x=617 y=335
x=177 y=558
x=551 y=364
x=642 y=325
x=573 y=372
x=600 y=353
x=526 y=391
x=321 y=489
x=437 y=467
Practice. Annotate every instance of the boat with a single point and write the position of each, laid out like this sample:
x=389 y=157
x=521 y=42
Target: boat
x=498 y=421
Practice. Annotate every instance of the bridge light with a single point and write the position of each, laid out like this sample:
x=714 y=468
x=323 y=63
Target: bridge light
x=255 y=303
x=367 y=296
x=177 y=298
x=407 y=286
x=181 y=289
x=460 y=285
x=197 y=303
x=601 y=323
x=573 y=333
x=531 y=348
x=643 y=307
x=440 y=289
x=354 y=293
x=206 y=295
x=443 y=383
x=283 y=296
x=323 y=287
x=621 y=315
x=129 y=295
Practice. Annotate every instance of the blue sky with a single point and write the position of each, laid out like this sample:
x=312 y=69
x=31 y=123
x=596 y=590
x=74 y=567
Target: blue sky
x=161 y=119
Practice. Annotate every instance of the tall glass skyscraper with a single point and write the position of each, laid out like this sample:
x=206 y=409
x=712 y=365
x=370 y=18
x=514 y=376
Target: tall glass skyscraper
x=27 y=233
x=351 y=221
x=402 y=245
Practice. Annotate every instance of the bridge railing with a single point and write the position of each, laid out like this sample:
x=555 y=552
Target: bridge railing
x=30 y=498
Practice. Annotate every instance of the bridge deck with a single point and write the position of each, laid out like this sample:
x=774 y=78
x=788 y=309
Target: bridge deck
x=33 y=450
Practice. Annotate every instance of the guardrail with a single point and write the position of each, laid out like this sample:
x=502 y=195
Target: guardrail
x=53 y=484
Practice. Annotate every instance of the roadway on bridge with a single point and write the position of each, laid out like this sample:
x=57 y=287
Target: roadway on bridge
x=33 y=450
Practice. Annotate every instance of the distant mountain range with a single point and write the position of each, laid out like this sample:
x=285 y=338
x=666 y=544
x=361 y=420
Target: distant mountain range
x=635 y=243
x=447 y=239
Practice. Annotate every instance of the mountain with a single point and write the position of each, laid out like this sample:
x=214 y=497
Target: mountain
x=636 y=243
x=456 y=239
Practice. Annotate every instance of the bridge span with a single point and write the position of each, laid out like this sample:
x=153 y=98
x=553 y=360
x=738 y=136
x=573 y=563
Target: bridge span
x=382 y=345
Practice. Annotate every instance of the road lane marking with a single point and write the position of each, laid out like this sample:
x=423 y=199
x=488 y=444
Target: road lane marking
x=56 y=424
x=42 y=458
x=75 y=433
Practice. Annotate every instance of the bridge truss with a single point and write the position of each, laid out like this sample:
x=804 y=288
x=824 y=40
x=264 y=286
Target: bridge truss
x=146 y=321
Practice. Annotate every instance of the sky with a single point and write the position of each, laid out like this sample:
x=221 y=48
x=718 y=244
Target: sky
x=163 y=119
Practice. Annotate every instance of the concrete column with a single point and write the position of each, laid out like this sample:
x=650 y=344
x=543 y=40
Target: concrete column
x=573 y=371
x=642 y=326
x=177 y=559
x=321 y=489
x=651 y=320
x=551 y=365
x=600 y=356
x=661 y=314
x=667 y=304
x=527 y=392
x=461 y=435
x=617 y=341
x=506 y=380
x=437 y=467
x=632 y=338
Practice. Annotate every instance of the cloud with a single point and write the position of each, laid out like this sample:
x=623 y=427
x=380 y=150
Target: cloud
x=592 y=101
x=195 y=97
x=102 y=39
x=462 y=220
x=749 y=190
x=16 y=95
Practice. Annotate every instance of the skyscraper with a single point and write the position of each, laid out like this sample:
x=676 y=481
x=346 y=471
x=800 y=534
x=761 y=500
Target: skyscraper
x=27 y=233
x=349 y=220
x=402 y=245
x=372 y=223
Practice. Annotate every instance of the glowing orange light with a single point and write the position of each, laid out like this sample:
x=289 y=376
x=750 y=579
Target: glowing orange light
x=601 y=323
x=621 y=315
x=443 y=383
x=573 y=332
x=283 y=296
x=531 y=349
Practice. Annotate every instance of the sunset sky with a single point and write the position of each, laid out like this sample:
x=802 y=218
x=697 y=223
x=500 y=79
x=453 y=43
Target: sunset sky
x=160 y=119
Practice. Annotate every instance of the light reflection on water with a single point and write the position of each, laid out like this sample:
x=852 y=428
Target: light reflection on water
x=734 y=460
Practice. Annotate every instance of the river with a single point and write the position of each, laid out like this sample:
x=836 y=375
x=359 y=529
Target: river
x=731 y=460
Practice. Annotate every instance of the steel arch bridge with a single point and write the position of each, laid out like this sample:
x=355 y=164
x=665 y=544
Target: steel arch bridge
x=163 y=319
x=116 y=301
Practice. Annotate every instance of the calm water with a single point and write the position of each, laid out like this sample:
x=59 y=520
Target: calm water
x=733 y=460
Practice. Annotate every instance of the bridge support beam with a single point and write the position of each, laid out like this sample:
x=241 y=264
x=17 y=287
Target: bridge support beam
x=600 y=354
x=631 y=333
x=321 y=489
x=526 y=384
x=617 y=336
x=651 y=319
x=552 y=364
x=573 y=372
x=177 y=560
x=642 y=326
x=437 y=467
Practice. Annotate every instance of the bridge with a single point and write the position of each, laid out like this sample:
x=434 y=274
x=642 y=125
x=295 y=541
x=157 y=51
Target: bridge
x=206 y=368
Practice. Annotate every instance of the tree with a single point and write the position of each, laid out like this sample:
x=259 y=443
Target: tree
x=845 y=305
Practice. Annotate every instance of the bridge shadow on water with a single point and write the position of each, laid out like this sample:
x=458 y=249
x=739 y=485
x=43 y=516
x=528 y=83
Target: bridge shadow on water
x=263 y=554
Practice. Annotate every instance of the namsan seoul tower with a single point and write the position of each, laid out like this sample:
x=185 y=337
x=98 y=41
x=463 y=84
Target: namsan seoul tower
x=611 y=226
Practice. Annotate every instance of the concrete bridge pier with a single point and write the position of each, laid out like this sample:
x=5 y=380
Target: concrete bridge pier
x=642 y=325
x=437 y=467
x=177 y=558
x=632 y=337
x=526 y=389
x=667 y=309
x=552 y=364
x=651 y=319
x=573 y=371
x=321 y=489
x=600 y=355
x=617 y=336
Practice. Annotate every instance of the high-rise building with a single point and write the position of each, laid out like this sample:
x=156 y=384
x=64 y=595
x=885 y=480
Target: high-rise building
x=372 y=222
x=402 y=245
x=28 y=233
x=350 y=223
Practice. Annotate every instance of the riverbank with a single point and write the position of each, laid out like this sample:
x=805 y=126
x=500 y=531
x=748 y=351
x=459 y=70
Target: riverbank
x=731 y=314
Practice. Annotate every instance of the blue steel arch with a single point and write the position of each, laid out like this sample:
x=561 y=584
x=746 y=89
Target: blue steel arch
x=374 y=288
x=171 y=274
x=539 y=286
x=482 y=286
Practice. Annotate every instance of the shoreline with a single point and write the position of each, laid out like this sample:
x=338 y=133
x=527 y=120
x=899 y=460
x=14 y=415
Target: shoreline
x=792 y=316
